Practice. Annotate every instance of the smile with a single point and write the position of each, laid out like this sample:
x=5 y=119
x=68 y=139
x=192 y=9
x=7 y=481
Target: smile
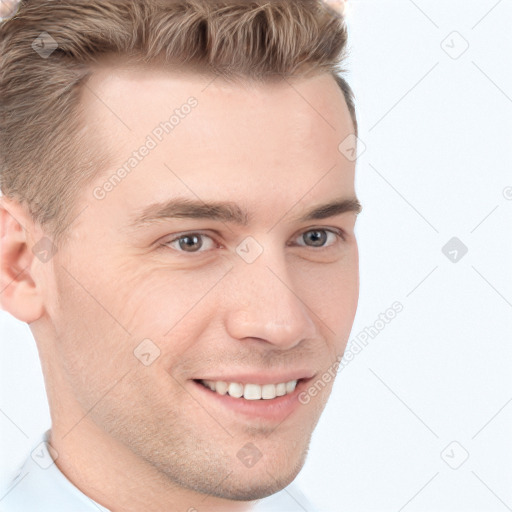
x=250 y=391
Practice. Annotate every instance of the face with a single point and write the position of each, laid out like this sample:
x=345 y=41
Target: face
x=155 y=291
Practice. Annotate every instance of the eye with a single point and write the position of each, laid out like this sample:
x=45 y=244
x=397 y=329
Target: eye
x=192 y=242
x=319 y=236
x=188 y=242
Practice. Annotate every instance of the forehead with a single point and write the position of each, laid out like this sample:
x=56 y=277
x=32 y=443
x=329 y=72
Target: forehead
x=246 y=139
x=131 y=97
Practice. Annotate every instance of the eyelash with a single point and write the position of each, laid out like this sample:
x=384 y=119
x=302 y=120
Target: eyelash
x=337 y=232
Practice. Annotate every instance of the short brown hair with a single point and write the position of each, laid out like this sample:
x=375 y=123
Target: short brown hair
x=45 y=159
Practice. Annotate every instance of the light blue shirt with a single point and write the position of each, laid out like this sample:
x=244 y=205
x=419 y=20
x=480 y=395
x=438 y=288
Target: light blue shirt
x=40 y=486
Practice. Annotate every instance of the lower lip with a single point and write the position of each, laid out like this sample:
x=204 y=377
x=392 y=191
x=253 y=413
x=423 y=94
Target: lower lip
x=273 y=409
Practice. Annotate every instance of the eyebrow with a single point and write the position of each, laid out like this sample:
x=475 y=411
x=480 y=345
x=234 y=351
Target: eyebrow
x=230 y=212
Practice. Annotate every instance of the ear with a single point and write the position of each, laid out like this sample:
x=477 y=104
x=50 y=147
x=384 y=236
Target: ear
x=19 y=294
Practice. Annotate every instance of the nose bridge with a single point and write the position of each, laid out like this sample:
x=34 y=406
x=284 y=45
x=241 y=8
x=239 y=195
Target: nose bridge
x=264 y=303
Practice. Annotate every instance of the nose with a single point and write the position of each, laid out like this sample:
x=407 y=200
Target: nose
x=264 y=303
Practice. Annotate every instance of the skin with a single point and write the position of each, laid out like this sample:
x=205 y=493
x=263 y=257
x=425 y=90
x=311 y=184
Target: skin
x=136 y=437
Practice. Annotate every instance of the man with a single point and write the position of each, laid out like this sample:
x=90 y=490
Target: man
x=177 y=230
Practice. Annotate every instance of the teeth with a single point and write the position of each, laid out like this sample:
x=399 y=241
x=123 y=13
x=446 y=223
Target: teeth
x=268 y=391
x=235 y=389
x=290 y=386
x=251 y=391
x=281 y=389
x=220 y=387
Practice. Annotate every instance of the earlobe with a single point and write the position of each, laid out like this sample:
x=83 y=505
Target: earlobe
x=19 y=294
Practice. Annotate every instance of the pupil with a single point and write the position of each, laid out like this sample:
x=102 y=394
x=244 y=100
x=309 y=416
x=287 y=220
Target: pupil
x=316 y=238
x=185 y=245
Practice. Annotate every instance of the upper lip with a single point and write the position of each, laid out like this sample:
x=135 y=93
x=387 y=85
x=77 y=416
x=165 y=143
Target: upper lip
x=261 y=377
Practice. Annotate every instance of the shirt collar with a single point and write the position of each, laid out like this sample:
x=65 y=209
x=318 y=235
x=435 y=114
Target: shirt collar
x=40 y=485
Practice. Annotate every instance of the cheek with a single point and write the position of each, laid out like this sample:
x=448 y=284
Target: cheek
x=331 y=291
x=165 y=311
x=155 y=302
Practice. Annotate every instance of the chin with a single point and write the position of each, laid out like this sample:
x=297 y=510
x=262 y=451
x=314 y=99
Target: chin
x=260 y=481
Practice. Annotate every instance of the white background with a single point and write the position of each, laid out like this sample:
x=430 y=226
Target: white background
x=438 y=136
